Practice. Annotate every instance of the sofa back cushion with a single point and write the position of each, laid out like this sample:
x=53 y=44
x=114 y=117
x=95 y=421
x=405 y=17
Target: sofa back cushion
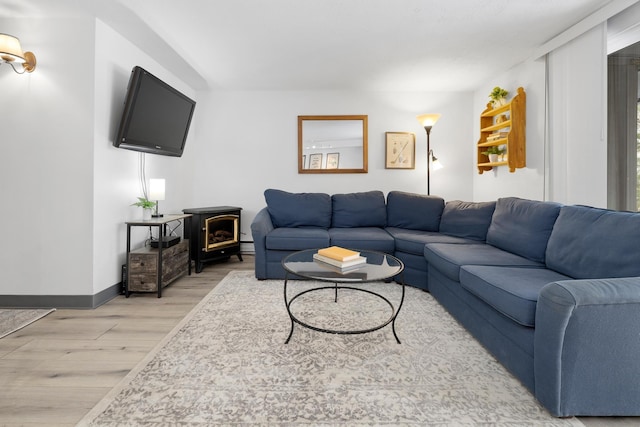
x=469 y=220
x=523 y=226
x=591 y=243
x=414 y=211
x=359 y=210
x=298 y=209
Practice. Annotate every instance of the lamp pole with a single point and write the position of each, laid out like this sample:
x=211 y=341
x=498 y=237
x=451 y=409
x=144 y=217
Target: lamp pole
x=428 y=120
x=428 y=129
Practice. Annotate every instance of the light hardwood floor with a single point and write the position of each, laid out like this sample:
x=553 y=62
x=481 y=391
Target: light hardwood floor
x=55 y=370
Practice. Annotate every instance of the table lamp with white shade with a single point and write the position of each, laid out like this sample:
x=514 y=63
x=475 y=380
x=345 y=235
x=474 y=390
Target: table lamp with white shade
x=156 y=192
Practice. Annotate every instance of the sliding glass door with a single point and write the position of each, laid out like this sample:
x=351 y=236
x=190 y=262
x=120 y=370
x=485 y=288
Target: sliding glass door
x=623 y=129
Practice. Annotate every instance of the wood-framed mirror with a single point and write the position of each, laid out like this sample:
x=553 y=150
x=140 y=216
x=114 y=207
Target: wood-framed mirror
x=332 y=144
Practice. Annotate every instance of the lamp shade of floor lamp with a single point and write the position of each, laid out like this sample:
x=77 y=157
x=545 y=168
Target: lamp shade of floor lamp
x=156 y=192
x=428 y=120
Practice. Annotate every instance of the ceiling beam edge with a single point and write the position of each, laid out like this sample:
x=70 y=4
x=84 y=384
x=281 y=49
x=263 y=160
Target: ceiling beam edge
x=591 y=21
x=130 y=26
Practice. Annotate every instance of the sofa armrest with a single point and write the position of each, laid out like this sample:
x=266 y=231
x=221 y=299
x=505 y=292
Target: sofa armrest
x=260 y=227
x=587 y=347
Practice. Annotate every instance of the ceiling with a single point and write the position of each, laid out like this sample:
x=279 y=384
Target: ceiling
x=372 y=45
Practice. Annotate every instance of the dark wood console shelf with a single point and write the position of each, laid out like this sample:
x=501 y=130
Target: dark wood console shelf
x=148 y=267
x=143 y=266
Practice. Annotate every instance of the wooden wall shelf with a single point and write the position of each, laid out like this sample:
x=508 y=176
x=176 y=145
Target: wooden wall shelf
x=514 y=139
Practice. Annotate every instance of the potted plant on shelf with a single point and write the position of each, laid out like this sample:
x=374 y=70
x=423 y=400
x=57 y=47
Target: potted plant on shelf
x=498 y=96
x=146 y=205
x=493 y=153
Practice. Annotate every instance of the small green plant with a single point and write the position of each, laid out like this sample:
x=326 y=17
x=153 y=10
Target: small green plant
x=498 y=93
x=144 y=203
x=493 y=150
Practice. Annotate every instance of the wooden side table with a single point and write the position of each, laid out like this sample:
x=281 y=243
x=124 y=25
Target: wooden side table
x=161 y=224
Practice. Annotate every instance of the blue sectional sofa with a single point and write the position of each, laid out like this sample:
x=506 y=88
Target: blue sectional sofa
x=552 y=291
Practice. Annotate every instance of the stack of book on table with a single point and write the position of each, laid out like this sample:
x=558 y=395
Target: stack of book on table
x=344 y=259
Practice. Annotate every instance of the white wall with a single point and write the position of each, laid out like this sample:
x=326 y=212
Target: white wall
x=46 y=165
x=527 y=182
x=577 y=120
x=66 y=190
x=116 y=171
x=247 y=142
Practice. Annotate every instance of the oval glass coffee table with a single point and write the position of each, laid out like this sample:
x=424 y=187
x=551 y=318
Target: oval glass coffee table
x=378 y=267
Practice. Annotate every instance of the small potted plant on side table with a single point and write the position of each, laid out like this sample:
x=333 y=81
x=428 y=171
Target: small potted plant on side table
x=146 y=205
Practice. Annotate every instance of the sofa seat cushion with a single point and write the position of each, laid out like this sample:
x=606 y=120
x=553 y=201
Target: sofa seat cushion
x=366 y=209
x=297 y=238
x=413 y=241
x=414 y=211
x=593 y=243
x=371 y=238
x=298 y=209
x=523 y=226
x=513 y=291
x=469 y=220
x=448 y=258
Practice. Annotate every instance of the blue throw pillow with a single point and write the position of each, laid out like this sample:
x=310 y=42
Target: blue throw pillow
x=414 y=211
x=594 y=243
x=467 y=219
x=359 y=210
x=298 y=209
x=523 y=226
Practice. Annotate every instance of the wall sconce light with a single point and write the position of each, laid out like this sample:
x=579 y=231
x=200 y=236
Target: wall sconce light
x=428 y=120
x=10 y=52
x=156 y=192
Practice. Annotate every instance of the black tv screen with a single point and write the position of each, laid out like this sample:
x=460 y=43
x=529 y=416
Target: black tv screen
x=156 y=116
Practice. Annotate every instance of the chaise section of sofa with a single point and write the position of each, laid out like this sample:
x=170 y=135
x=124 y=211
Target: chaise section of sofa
x=588 y=329
x=567 y=326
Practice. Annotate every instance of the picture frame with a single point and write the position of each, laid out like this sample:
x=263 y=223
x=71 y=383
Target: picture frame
x=400 y=150
x=347 y=135
x=315 y=161
x=333 y=160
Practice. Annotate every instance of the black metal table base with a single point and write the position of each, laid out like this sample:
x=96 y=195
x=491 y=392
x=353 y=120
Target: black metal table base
x=336 y=287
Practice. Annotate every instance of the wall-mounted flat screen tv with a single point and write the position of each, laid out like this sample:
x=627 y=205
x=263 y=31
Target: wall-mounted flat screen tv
x=156 y=117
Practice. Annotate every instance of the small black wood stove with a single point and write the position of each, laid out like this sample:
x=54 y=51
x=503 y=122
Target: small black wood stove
x=215 y=233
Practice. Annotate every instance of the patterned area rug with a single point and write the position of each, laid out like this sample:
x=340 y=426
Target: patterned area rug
x=12 y=320
x=226 y=364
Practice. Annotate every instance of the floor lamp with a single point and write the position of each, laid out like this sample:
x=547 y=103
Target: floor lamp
x=428 y=120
